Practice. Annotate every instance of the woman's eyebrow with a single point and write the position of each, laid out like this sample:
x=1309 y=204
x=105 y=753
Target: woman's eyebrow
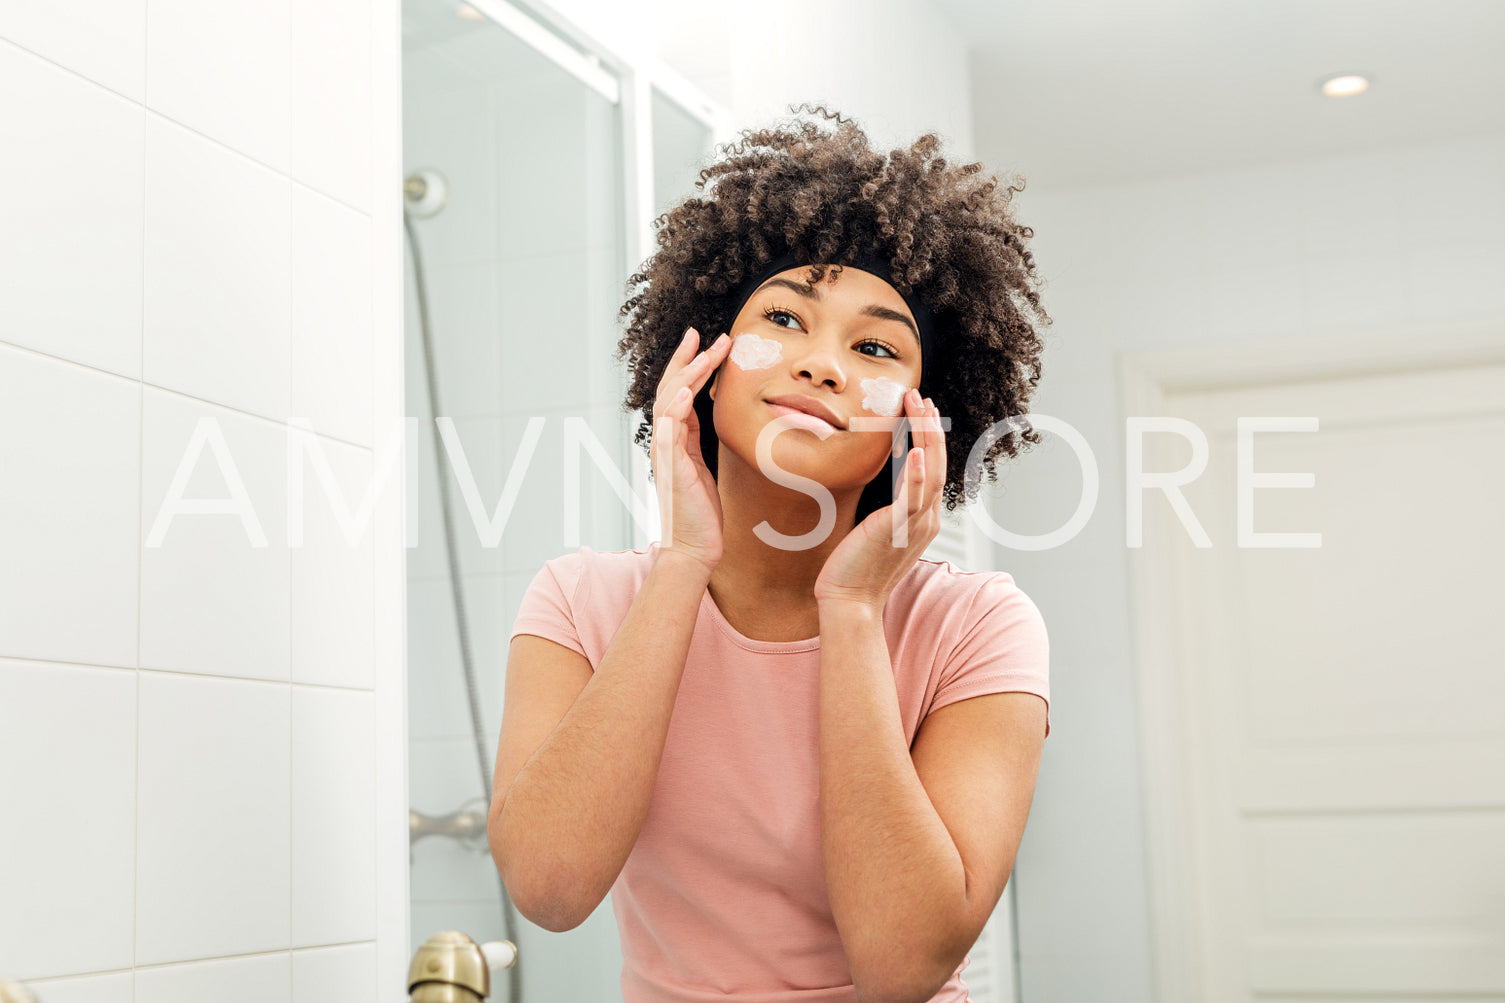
x=871 y=310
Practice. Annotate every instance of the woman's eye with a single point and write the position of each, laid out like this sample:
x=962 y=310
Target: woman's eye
x=878 y=344
x=773 y=312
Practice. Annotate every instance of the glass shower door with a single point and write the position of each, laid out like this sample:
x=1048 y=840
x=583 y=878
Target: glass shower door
x=514 y=270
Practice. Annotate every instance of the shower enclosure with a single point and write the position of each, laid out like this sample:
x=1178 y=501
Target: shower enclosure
x=534 y=168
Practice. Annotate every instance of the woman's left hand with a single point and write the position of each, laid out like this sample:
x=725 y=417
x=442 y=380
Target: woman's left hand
x=866 y=565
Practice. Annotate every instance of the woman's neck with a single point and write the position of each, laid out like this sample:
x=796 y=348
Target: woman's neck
x=753 y=571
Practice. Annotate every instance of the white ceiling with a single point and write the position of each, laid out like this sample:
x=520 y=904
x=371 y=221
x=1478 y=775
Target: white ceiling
x=1082 y=92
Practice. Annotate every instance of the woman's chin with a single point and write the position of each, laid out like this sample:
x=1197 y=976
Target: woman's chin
x=809 y=462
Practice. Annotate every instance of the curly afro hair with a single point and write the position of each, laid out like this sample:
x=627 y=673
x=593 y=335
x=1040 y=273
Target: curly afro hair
x=830 y=199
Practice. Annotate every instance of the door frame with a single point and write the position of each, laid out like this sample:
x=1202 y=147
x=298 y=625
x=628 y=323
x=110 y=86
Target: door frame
x=1146 y=378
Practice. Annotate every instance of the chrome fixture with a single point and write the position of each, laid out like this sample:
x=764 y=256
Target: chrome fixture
x=466 y=825
x=425 y=191
x=452 y=968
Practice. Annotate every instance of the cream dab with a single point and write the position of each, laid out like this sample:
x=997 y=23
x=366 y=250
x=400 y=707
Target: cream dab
x=883 y=395
x=750 y=351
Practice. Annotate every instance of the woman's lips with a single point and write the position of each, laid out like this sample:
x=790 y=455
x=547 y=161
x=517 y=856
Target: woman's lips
x=801 y=419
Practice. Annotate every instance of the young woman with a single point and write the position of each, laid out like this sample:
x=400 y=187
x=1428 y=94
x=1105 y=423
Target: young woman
x=798 y=754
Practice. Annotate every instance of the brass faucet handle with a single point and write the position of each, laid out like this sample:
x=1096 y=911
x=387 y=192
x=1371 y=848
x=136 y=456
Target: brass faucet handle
x=449 y=968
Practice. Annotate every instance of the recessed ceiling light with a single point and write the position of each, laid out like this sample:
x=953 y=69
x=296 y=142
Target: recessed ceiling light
x=1345 y=85
x=469 y=13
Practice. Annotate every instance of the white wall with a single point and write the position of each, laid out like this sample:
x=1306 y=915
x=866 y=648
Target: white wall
x=896 y=66
x=899 y=67
x=189 y=731
x=1409 y=236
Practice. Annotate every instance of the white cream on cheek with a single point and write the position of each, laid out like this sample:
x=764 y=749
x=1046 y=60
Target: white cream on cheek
x=882 y=395
x=749 y=351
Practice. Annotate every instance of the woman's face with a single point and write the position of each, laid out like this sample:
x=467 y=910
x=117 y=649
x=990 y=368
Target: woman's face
x=849 y=343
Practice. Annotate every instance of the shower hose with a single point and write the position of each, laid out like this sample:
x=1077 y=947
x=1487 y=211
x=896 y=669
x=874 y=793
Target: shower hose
x=509 y=917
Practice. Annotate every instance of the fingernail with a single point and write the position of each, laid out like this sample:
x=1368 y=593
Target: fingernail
x=929 y=403
x=688 y=331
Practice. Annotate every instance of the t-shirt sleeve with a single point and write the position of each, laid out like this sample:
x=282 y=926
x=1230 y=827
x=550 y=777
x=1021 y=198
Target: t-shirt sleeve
x=548 y=605
x=1004 y=649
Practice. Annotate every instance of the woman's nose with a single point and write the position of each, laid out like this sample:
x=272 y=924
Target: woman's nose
x=818 y=361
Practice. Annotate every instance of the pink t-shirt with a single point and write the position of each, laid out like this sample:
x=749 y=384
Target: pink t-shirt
x=724 y=892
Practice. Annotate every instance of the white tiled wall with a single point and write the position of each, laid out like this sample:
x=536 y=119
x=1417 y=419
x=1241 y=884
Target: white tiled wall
x=1403 y=237
x=188 y=732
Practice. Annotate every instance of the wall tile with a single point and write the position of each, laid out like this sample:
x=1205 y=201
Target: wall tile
x=68 y=846
x=345 y=974
x=545 y=204
x=468 y=322
x=448 y=871
x=331 y=107
x=70 y=274
x=438 y=704
x=490 y=462
x=542 y=332
x=211 y=599
x=117 y=988
x=263 y=979
x=444 y=775
x=224 y=70
x=334 y=807
x=330 y=349
x=104 y=40
x=332 y=627
x=68 y=577
x=217 y=273
x=213 y=832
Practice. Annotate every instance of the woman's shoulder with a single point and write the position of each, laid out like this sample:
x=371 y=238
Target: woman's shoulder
x=939 y=592
x=938 y=577
x=608 y=567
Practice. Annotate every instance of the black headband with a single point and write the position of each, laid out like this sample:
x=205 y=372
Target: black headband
x=924 y=317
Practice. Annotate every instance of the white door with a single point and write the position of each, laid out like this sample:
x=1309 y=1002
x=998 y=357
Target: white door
x=1342 y=708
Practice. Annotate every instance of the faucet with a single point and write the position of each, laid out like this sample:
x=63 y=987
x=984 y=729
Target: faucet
x=451 y=968
x=466 y=825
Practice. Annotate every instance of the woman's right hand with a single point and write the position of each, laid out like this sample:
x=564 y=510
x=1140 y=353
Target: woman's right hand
x=688 y=503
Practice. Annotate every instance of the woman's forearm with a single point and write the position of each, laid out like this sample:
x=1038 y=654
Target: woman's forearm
x=894 y=878
x=574 y=811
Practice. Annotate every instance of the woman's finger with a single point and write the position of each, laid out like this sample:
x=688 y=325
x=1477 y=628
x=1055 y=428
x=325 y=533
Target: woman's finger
x=930 y=443
x=920 y=494
x=925 y=426
x=684 y=350
x=703 y=365
x=683 y=353
x=935 y=463
x=694 y=372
